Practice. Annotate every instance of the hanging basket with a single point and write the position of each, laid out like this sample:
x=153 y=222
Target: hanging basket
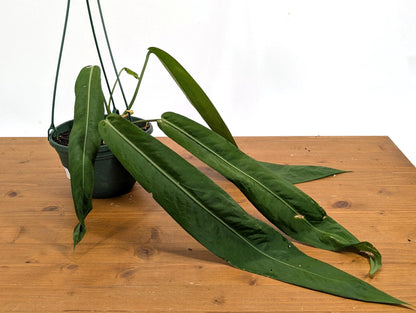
x=111 y=179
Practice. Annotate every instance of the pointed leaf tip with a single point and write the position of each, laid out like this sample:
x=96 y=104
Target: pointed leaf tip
x=196 y=96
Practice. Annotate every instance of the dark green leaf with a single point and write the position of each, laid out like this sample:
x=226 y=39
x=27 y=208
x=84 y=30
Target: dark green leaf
x=84 y=143
x=294 y=173
x=286 y=206
x=297 y=174
x=213 y=218
x=194 y=93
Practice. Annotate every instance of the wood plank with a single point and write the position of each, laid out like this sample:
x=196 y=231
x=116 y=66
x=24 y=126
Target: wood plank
x=135 y=258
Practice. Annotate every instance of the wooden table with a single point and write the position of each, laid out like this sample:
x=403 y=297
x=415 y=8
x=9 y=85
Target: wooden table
x=135 y=258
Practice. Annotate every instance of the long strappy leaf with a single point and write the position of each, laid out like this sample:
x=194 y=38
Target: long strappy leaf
x=194 y=93
x=214 y=219
x=198 y=98
x=84 y=143
x=297 y=174
x=282 y=203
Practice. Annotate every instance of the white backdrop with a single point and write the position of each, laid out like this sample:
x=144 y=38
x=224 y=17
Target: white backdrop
x=271 y=67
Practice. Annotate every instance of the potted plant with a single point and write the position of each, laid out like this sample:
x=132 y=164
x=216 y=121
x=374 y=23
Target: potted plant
x=111 y=179
x=200 y=206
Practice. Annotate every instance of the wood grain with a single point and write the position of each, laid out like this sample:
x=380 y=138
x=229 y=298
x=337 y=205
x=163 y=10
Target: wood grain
x=135 y=258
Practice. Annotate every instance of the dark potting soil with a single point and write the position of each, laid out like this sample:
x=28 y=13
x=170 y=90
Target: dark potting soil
x=63 y=138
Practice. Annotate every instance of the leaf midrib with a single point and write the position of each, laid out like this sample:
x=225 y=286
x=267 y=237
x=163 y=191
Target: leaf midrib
x=246 y=175
x=86 y=127
x=170 y=178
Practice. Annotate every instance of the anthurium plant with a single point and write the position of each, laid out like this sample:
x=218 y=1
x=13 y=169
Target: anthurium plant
x=199 y=205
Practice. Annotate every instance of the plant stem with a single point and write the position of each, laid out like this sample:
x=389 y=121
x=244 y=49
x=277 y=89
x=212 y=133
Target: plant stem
x=140 y=80
x=146 y=121
x=107 y=107
x=115 y=84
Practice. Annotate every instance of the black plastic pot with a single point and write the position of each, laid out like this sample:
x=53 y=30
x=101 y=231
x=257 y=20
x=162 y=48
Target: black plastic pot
x=111 y=179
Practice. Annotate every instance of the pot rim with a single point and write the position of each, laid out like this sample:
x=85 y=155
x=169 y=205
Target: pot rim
x=103 y=148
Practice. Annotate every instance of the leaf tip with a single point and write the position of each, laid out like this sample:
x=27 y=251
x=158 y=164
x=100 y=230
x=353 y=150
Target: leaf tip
x=79 y=232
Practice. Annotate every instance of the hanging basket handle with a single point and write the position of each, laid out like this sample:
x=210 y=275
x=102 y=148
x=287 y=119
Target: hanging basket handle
x=52 y=127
